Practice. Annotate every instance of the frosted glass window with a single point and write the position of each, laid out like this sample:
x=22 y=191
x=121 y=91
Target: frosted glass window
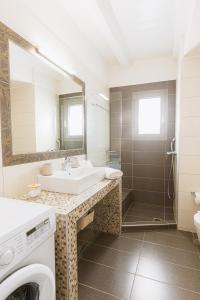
x=149 y=116
x=75 y=120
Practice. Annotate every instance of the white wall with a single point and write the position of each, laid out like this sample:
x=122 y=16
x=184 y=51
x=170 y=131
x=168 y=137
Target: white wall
x=188 y=141
x=144 y=71
x=68 y=48
x=192 y=37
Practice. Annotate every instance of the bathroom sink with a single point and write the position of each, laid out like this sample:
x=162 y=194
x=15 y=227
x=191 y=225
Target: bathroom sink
x=73 y=181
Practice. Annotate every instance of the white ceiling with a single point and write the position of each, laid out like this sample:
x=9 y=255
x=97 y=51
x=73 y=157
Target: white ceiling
x=125 y=30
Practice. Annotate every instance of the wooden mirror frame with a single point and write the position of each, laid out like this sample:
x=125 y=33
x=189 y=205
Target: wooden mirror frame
x=6 y=35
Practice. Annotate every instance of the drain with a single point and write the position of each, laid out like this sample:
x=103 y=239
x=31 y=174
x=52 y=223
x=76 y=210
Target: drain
x=157 y=219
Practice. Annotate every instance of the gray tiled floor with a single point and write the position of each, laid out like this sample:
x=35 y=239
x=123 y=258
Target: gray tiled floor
x=152 y=265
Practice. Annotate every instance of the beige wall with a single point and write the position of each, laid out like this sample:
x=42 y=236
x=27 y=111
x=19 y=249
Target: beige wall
x=188 y=140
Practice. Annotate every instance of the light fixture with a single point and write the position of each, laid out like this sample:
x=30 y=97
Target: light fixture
x=66 y=72
x=103 y=96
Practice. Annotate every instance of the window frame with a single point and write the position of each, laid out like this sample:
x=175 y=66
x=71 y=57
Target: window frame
x=162 y=94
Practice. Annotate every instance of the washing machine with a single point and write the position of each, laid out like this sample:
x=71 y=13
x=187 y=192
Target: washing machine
x=27 y=255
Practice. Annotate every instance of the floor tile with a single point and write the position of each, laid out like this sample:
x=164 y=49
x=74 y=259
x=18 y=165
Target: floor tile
x=176 y=233
x=120 y=260
x=106 y=279
x=119 y=243
x=146 y=289
x=169 y=273
x=86 y=293
x=170 y=254
x=136 y=235
x=88 y=235
x=184 y=243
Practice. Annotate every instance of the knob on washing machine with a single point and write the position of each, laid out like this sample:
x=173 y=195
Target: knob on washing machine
x=6 y=257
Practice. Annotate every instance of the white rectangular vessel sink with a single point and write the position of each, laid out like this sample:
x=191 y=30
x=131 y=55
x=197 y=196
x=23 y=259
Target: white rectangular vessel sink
x=73 y=181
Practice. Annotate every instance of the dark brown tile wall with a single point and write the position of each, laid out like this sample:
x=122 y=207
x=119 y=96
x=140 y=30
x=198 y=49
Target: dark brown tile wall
x=143 y=162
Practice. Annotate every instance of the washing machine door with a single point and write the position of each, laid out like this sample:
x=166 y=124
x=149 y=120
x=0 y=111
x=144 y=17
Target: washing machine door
x=33 y=282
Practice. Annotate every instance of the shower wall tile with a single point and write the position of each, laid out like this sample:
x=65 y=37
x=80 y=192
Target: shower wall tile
x=115 y=132
x=115 y=144
x=171 y=108
x=126 y=132
x=126 y=157
x=126 y=144
x=152 y=198
x=144 y=157
x=115 y=95
x=152 y=145
x=127 y=169
x=172 y=87
x=149 y=171
x=171 y=130
x=149 y=184
x=127 y=112
x=115 y=106
x=115 y=119
x=127 y=182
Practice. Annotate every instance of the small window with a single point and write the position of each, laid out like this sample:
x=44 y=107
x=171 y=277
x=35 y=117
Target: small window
x=75 y=120
x=149 y=117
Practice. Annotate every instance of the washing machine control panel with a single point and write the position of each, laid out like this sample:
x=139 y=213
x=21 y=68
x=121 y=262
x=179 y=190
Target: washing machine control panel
x=38 y=231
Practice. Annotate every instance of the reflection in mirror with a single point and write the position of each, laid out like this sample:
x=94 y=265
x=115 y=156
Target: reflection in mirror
x=71 y=121
x=47 y=106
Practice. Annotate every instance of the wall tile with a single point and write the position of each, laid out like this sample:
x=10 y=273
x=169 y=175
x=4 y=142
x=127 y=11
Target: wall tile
x=153 y=198
x=148 y=171
x=149 y=184
x=190 y=87
x=190 y=107
x=143 y=157
x=190 y=67
x=115 y=106
x=189 y=182
x=139 y=145
x=115 y=144
x=126 y=169
x=115 y=132
x=126 y=157
x=126 y=144
x=190 y=126
x=115 y=119
x=127 y=182
x=126 y=132
x=190 y=146
x=189 y=164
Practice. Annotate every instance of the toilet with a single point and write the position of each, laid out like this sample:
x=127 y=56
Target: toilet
x=197 y=224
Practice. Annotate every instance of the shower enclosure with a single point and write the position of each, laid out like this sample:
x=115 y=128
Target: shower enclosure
x=142 y=144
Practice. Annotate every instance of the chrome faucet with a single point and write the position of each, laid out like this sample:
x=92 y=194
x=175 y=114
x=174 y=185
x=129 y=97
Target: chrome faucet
x=67 y=164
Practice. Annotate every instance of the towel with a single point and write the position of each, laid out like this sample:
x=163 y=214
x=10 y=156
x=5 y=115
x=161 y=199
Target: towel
x=112 y=173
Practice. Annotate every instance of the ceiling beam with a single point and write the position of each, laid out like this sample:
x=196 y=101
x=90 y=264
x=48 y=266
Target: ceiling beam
x=114 y=35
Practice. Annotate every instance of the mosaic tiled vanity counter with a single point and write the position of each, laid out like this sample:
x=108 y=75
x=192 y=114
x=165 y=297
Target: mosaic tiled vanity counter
x=106 y=197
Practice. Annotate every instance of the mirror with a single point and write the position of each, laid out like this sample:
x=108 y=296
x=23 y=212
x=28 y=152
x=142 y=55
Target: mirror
x=47 y=105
